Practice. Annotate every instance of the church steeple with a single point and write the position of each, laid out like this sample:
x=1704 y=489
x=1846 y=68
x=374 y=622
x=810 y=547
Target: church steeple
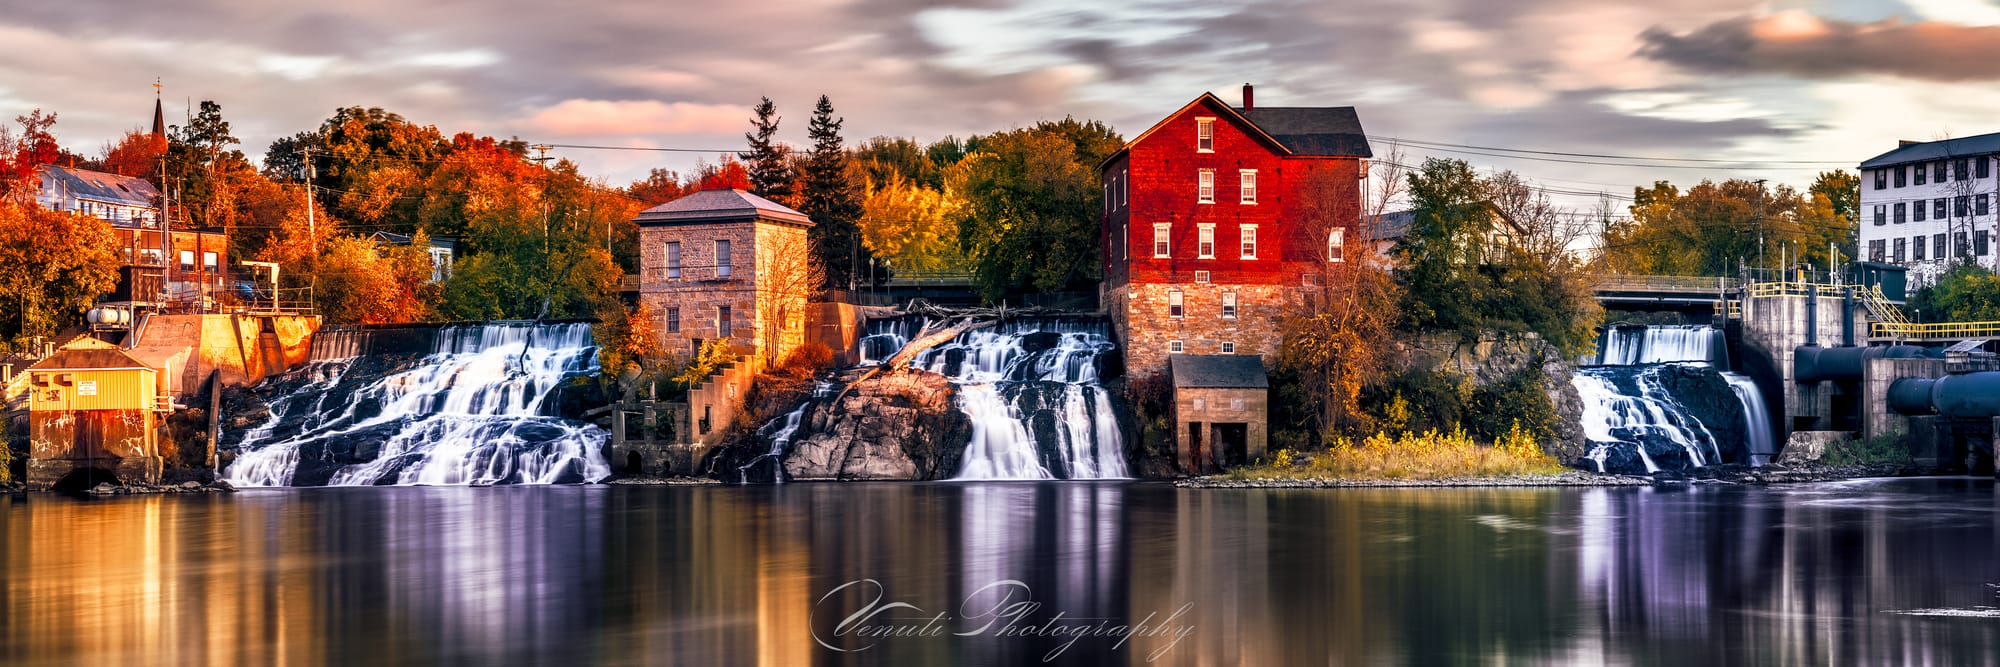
x=159 y=114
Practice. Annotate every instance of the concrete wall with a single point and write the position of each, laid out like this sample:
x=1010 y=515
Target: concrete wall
x=1775 y=326
x=187 y=348
x=1876 y=376
x=837 y=326
x=718 y=400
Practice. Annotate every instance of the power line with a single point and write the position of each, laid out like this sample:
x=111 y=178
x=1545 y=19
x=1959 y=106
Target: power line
x=1395 y=140
x=643 y=148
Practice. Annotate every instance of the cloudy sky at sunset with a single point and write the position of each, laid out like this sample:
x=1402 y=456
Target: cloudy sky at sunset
x=1835 y=81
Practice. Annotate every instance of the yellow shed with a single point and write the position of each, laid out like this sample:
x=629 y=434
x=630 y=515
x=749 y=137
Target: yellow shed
x=93 y=411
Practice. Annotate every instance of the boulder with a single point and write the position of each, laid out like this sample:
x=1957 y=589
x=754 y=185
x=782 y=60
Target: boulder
x=896 y=426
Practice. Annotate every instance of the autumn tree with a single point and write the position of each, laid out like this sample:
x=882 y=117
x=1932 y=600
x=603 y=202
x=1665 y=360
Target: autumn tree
x=370 y=165
x=137 y=155
x=659 y=187
x=22 y=155
x=833 y=200
x=788 y=275
x=1712 y=229
x=912 y=227
x=725 y=174
x=363 y=282
x=1030 y=223
x=768 y=162
x=53 y=266
x=881 y=158
x=1335 y=341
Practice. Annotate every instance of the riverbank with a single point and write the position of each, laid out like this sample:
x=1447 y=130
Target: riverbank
x=660 y=480
x=1723 y=474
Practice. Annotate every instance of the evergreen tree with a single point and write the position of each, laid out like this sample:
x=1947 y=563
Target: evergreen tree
x=833 y=201
x=769 y=162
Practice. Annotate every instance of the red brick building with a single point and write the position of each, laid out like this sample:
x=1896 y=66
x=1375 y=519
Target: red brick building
x=1215 y=216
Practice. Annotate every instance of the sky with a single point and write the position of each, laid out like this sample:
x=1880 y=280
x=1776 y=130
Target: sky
x=1780 y=90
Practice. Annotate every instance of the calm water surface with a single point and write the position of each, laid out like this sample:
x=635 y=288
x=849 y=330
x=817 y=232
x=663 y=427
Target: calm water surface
x=1885 y=571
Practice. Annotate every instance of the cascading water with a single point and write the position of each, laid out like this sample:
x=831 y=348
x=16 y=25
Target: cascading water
x=781 y=432
x=476 y=409
x=1639 y=415
x=1031 y=389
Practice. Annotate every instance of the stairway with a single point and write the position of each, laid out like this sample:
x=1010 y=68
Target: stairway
x=1880 y=309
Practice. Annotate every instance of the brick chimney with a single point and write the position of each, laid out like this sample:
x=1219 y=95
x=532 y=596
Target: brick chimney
x=1249 y=98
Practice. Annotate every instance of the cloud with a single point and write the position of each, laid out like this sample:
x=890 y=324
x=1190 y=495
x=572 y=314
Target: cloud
x=1802 y=45
x=601 y=118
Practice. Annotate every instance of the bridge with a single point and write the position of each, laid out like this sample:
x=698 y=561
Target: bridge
x=1636 y=292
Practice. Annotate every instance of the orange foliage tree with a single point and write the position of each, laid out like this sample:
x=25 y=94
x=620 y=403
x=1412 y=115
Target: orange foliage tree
x=137 y=154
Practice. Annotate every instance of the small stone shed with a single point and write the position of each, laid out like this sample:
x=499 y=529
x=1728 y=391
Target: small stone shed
x=1221 y=410
x=94 y=416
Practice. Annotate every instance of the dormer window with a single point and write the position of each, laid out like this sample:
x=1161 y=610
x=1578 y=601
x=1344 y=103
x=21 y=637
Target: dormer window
x=1204 y=129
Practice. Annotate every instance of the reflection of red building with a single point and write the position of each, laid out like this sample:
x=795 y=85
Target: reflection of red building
x=191 y=272
x=1215 y=216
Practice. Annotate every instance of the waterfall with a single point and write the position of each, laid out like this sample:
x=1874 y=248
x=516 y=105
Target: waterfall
x=1031 y=389
x=474 y=408
x=1635 y=422
x=781 y=432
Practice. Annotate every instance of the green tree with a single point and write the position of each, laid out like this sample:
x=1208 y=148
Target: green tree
x=1032 y=201
x=769 y=162
x=1964 y=293
x=833 y=200
x=203 y=170
x=1439 y=259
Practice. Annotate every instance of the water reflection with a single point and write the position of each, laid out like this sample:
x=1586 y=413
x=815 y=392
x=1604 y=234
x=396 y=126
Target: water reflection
x=584 y=575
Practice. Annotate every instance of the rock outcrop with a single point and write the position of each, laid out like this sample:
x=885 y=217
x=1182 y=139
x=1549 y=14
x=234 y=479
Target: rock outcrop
x=894 y=426
x=1496 y=357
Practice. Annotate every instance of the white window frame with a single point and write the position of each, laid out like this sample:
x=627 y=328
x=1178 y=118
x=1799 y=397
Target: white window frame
x=1124 y=187
x=1229 y=305
x=1204 y=245
x=1228 y=348
x=210 y=261
x=1204 y=189
x=1125 y=232
x=1163 y=240
x=1247 y=241
x=1201 y=276
x=1246 y=182
x=1204 y=134
x=1175 y=347
x=1176 y=304
x=1336 y=245
x=673 y=258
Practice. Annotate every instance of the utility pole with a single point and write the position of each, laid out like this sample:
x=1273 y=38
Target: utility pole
x=1760 y=226
x=166 y=227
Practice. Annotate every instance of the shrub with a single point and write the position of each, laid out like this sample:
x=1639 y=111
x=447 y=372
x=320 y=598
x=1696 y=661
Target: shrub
x=714 y=355
x=1427 y=455
x=1886 y=449
x=808 y=360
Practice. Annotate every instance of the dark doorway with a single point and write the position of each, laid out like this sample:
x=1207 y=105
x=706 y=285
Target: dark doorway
x=634 y=464
x=84 y=479
x=1197 y=459
x=1232 y=444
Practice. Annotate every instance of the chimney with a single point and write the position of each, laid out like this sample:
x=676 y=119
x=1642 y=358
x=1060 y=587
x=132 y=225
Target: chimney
x=1249 y=99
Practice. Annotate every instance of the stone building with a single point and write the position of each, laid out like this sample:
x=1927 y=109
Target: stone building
x=728 y=265
x=1221 y=409
x=1216 y=216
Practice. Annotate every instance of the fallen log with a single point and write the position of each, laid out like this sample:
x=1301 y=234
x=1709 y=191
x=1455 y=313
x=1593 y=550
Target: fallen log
x=900 y=361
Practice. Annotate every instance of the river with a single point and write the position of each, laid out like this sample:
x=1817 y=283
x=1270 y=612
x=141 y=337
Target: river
x=1870 y=571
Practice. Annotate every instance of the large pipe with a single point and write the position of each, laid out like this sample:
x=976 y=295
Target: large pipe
x=1811 y=363
x=1964 y=396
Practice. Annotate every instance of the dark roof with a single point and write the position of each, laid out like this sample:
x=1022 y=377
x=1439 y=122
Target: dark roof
x=87 y=353
x=1226 y=371
x=1318 y=131
x=720 y=206
x=1937 y=150
x=1392 y=225
x=405 y=239
x=101 y=186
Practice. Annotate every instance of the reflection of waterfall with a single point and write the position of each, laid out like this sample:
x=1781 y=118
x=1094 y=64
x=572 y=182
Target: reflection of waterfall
x=1030 y=387
x=475 y=410
x=1633 y=416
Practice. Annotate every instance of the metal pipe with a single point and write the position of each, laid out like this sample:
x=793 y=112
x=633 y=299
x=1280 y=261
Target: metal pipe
x=1963 y=396
x=1812 y=315
x=1811 y=363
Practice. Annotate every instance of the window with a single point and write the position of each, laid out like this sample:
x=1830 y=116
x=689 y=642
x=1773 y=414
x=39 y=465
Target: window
x=1336 y=246
x=1980 y=241
x=1162 y=245
x=721 y=259
x=1921 y=172
x=1174 y=307
x=1899 y=213
x=1958 y=205
x=1917 y=248
x=1250 y=241
x=1174 y=347
x=1917 y=209
x=209 y=260
x=1199 y=403
x=1204 y=245
x=1897 y=255
x=1201 y=276
x=1881 y=179
x=673 y=260
x=1229 y=348
x=1937 y=171
x=724 y=325
x=1959 y=171
x=440 y=264
x=1249 y=185
x=1881 y=214
x=1125 y=246
x=1124 y=187
x=1984 y=168
x=1228 y=305
x=1107 y=196
x=1937 y=246
x=1876 y=250
x=673 y=319
x=1937 y=208
x=1204 y=192
x=187 y=260
x=1236 y=404
x=1979 y=206
x=1204 y=132
x=1962 y=248
x=1900 y=173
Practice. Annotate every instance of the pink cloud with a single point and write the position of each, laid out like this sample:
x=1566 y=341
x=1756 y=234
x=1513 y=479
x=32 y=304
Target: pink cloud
x=598 y=118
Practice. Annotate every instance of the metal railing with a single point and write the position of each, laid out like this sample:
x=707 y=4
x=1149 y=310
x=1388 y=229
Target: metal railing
x=1783 y=288
x=1936 y=330
x=1634 y=283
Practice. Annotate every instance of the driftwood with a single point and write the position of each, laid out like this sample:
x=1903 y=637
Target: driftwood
x=926 y=339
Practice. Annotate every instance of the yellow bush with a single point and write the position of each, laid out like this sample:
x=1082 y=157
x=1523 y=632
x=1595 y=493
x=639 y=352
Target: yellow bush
x=1427 y=455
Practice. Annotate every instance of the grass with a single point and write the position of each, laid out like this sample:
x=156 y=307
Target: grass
x=1884 y=449
x=1428 y=455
